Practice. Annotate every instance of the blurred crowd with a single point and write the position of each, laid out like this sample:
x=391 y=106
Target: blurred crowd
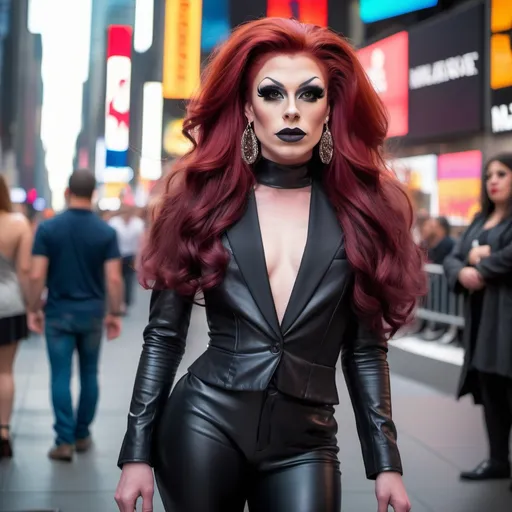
x=70 y=277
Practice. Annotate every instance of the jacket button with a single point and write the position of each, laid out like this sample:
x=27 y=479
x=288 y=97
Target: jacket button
x=275 y=349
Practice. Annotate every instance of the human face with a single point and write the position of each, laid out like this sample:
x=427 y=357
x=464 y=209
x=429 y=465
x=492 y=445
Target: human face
x=289 y=92
x=499 y=183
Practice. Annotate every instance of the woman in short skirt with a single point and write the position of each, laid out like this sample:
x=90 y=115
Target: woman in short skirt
x=15 y=257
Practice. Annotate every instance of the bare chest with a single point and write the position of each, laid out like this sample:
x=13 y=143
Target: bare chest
x=283 y=218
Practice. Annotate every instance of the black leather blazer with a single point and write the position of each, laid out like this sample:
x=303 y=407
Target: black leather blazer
x=248 y=347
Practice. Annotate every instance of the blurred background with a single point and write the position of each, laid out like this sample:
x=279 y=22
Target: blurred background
x=103 y=85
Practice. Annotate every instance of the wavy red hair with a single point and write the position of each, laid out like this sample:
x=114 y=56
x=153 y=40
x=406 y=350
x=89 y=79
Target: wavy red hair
x=207 y=191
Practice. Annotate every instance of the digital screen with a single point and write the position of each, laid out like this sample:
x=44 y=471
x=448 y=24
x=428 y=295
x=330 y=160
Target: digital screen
x=307 y=11
x=117 y=107
x=182 y=48
x=501 y=66
x=459 y=185
x=216 y=25
x=375 y=10
x=386 y=64
x=446 y=75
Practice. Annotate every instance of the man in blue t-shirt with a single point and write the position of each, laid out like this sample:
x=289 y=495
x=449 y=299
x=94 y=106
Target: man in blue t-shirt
x=76 y=256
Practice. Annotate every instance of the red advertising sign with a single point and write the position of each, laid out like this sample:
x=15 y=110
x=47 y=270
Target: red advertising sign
x=117 y=107
x=386 y=63
x=307 y=11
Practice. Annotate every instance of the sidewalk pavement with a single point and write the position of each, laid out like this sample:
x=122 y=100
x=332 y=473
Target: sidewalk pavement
x=437 y=435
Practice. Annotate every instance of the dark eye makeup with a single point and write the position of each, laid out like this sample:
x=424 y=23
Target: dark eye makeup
x=500 y=174
x=310 y=93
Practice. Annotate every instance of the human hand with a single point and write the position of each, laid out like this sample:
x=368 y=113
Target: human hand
x=478 y=253
x=136 y=481
x=35 y=321
x=390 y=490
x=113 y=326
x=471 y=279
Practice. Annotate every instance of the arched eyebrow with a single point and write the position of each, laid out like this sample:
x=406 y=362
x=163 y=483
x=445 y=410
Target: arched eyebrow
x=279 y=84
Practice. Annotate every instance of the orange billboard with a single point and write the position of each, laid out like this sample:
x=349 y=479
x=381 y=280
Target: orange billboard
x=501 y=65
x=182 y=48
x=307 y=11
x=501 y=15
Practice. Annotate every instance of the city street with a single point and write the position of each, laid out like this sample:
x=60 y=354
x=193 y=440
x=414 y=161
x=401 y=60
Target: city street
x=437 y=435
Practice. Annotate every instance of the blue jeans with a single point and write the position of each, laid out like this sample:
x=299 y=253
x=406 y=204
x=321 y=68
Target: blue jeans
x=64 y=334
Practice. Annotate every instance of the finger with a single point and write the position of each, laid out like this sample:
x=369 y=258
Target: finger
x=383 y=504
x=127 y=505
x=147 y=501
x=401 y=506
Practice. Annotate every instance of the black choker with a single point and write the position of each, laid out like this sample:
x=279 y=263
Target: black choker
x=275 y=175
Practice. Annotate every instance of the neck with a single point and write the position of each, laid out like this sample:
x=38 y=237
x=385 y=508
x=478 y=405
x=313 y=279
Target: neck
x=272 y=174
x=501 y=210
x=80 y=203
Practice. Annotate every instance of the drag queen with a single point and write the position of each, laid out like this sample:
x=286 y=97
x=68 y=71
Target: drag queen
x=284 y=220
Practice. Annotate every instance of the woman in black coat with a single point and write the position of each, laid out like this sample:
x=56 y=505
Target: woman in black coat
x=480 y=267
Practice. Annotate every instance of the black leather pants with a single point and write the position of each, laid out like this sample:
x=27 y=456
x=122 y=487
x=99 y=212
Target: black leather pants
x=218 y=449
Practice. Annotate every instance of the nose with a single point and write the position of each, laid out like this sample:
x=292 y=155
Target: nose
x=292 y=112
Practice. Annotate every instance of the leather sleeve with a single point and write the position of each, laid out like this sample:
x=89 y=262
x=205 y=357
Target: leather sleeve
x=162 y=351
x=364 y=362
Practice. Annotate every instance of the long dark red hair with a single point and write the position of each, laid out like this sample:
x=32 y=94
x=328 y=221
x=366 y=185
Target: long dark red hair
x=208 y=188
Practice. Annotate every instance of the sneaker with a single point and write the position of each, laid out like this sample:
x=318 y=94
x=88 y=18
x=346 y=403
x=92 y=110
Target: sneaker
x=83 y=445
x=62 y=452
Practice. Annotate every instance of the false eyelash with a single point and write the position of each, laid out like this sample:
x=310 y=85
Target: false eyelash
x=266 y=91
x=315 y=90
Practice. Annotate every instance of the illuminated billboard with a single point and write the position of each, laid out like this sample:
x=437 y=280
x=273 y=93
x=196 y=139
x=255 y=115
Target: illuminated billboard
x=386 y=63
x=375 y=10
x=501 y=66
x=307 y=11
x=459 y=185
x=117 y=107
x=216 y=25
x=446 y=75
x=182 y=48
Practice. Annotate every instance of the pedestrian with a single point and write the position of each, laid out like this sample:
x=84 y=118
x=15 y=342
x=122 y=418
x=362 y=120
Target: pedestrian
x=76 y=256
x=15 y=259
x=130 y=231
x=285 y=219
x=480 y=268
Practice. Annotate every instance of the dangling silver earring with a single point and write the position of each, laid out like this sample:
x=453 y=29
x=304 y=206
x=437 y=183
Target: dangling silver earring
x=326 y=146
x=250 y=146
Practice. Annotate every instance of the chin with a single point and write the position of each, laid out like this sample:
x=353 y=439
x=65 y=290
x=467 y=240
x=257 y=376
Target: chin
x=290 y=155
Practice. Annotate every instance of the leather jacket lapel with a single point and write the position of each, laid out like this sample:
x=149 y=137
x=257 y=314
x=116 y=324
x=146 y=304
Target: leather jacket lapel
x=246 y=243
x=324 y=238
x=499 y=236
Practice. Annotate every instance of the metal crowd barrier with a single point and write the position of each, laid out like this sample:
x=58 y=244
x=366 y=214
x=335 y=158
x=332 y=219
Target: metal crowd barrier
x=441 y=305
x=440 y=315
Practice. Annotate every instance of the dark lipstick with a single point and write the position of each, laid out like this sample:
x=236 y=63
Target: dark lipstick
x=291 y=134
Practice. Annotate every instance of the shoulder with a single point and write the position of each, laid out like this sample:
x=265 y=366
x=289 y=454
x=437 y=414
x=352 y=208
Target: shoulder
x=478 y=219
x=56 y=221
x=18 y=220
